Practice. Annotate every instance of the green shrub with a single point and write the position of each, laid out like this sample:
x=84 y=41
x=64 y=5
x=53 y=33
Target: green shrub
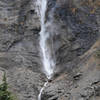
x=4 y=93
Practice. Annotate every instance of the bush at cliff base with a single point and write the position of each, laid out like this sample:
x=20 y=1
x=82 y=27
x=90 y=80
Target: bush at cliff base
x=4 y=93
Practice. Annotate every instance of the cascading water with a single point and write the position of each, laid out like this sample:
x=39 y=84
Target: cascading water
x=47 y=60
x=39 y=96
x=46 y=52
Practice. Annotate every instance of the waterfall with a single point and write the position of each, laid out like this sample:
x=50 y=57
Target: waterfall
x=47 y=59
x=46 y=51
x=39 y=96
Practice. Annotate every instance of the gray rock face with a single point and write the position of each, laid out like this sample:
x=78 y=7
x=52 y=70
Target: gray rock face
x=76 y=31
x=75 y=27
x=1 y=76
x=19 y=49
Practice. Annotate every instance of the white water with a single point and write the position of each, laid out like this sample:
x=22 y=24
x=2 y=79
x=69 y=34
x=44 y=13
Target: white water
x=39 y=96
x=47 y=59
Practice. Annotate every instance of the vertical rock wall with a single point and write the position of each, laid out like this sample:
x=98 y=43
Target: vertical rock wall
x=75 y=26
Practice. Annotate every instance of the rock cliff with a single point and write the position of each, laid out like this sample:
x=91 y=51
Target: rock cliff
x=76 y=37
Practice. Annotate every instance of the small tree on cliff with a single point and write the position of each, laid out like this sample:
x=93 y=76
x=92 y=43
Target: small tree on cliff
x=4 y=93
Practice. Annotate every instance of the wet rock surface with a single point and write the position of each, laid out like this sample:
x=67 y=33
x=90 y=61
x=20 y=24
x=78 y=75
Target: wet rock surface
x=76 y=29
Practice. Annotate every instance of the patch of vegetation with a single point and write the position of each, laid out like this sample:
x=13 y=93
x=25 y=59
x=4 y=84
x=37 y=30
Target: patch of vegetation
x=4 y=93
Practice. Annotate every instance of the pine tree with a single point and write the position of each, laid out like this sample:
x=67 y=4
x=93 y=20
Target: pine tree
x=4 y=93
